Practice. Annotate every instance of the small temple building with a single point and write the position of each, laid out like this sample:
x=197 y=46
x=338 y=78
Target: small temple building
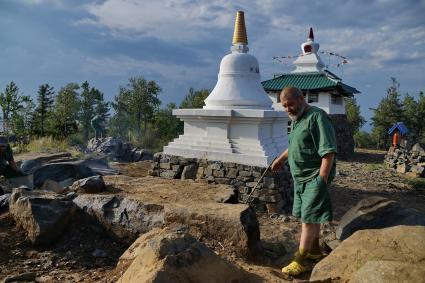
x=320 y=87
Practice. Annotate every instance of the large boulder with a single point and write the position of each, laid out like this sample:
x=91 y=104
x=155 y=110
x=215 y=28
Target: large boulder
x=402 y=244
x=388 y=271
x=90 y=185
x=172 y=255
x=73 y=170
x=43 y=215
x=234 y=226
x=123 y=218
x=374 y=213
x=118 y=150
x=28 y=166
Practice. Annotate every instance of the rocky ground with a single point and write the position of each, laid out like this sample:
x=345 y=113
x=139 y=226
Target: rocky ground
x=85 y=253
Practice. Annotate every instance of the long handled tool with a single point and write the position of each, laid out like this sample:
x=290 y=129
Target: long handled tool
x=259 y=180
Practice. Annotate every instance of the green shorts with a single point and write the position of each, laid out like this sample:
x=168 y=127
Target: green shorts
x=312 y=202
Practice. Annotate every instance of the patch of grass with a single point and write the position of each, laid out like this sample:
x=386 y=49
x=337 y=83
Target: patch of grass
x=374 y=166
x=417 y=183
x=47 y=144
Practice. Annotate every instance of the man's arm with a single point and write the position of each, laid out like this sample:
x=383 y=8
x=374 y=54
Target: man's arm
x=326 y=166
x=277 y=163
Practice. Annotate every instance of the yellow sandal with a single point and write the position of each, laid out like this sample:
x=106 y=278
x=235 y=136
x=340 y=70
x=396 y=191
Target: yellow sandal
x=294 y=268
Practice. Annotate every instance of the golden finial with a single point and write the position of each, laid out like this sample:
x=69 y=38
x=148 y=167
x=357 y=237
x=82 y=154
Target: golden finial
x=239 y=35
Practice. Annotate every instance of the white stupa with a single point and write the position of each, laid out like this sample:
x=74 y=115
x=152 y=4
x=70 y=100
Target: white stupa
x=237 y=123
x=309 y=61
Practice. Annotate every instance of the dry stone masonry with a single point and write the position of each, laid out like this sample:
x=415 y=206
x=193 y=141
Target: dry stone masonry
x=273 y=193
x=344 y=135
x=410 y=161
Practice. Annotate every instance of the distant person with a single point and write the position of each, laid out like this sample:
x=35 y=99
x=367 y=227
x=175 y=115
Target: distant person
x=8 y=167
x=311 y=157
x=97 y=125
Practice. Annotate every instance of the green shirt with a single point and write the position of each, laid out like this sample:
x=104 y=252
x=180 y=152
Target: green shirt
x=312 y=136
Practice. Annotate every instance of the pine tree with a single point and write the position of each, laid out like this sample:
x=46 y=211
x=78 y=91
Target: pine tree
x=195 y=98
x=10 y=103
x=43 y=111
x=388 y=112
x=22 y=119
x=66 y=107
x=355 y=120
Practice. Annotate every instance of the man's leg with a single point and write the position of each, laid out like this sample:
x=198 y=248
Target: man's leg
x=309 y=232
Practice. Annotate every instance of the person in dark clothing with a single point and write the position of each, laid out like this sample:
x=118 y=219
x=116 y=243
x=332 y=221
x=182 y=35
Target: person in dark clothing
x=8 y=167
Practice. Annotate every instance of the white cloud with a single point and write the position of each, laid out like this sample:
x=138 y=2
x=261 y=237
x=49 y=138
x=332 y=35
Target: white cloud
x=169 y=20
x=56 y=3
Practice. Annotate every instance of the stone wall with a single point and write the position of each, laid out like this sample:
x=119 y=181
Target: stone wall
x=344 y=135
x=274 y=193
x=410 y=162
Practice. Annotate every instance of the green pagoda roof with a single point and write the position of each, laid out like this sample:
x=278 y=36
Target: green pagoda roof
x=309 y=81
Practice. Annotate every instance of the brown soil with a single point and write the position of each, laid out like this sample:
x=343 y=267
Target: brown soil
x=81 y=255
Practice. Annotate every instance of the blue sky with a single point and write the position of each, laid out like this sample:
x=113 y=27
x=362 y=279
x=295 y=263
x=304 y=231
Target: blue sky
x=179 y=44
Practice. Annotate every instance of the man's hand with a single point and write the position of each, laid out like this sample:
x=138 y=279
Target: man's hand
x=278 y=161
x=326 y=166
x=276 y=165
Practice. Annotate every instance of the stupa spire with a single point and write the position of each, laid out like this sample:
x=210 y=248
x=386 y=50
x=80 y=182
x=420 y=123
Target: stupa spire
x=311 y=35
x=239 y=34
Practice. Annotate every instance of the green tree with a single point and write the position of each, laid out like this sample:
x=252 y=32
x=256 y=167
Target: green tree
x=66 y=109
x=91 y=102
x=410 y=115
x=10 y=103
x=355 y=120
x=195 y=98
x=120 y=122
x=388 y=112
x=420 y=131
x=167 y=125
x=364 y=140
x=22 y=119
x=141 y=97
x=43 y=111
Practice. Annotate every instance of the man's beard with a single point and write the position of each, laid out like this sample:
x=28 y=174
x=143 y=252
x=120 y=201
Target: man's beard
x=298 y=115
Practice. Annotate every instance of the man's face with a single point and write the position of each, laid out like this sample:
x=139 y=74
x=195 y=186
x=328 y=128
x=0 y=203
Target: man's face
x=293 y=106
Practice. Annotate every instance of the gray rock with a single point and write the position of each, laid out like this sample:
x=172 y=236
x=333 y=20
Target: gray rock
x=23 y=277
x=387 y=271
x=396 y=244
x=417 y=147
x=90 y=185
x=61 y=171
x=74 y=170
x=4 y=202
x=403 y=168
x=121 y=217
x=374 y=213
x=189 y=172
x=50 y=185
x=30 y=165
x=42 y=215
x=118 y=150
x=232 y=173
x=168 y=174
x=417 y=169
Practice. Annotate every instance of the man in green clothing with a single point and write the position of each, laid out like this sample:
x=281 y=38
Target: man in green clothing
x=311 y=157
x=8 y=167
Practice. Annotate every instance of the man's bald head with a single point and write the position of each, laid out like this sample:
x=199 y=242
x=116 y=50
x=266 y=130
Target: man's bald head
x=291 y=92
x=292 y=100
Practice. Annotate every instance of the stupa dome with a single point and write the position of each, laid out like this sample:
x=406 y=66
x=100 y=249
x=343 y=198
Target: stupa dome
x=239 y=81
